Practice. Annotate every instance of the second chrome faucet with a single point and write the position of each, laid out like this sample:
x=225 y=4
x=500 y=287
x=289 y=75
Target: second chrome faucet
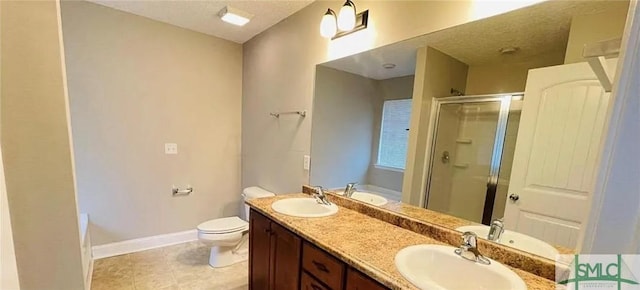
x=320 y=196
x=350 y=189
x=469 y=249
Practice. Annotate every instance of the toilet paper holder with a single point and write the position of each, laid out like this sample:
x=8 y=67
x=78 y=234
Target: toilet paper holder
x=177 y=191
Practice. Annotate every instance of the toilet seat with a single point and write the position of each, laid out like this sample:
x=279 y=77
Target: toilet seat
x=221 y=226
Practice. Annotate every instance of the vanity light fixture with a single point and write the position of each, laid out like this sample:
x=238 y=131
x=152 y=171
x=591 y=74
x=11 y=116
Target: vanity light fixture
x=347 y=16
x=346 y=22
x=328 y=26
x=234 y=16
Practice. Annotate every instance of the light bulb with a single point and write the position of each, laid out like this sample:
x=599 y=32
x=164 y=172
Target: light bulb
x=347 y=16
x=328 y=24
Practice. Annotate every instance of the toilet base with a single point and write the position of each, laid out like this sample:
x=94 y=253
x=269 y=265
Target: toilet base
x=224 y=256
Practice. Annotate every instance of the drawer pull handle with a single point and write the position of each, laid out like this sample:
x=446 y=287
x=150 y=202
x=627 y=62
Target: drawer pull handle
x=320 y=266
x=315 y=287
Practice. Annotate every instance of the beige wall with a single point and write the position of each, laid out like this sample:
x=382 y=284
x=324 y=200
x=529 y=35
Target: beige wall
x=436 y=74
x=279 y=66
x=8 y=269
x=135 y=84
x=496 y=78
x=591 y=28
x=342 y=127
x=397 y=88
x=36 y=148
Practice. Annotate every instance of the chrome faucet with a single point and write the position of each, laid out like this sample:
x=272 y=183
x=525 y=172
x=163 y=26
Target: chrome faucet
x=469 y=249
x=320 y=196
x=350 y=189
x=496 y=230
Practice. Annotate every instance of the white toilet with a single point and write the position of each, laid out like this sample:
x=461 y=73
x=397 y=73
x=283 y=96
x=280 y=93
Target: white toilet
x=229 y=236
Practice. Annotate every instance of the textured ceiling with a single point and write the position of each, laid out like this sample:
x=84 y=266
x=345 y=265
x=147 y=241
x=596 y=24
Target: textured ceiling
x=202 y=16
x=537 y=30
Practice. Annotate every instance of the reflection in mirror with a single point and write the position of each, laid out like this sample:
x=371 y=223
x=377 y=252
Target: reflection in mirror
x=362 y=132
x=497 y=122
x=470 y=133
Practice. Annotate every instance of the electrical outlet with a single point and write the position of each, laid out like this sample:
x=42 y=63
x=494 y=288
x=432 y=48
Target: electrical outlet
x=170 y=148
x=307 y=162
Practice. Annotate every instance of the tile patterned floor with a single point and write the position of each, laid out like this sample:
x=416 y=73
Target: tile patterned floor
x=179 y=267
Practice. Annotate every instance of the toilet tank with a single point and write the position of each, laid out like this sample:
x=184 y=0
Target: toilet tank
x=251 y=193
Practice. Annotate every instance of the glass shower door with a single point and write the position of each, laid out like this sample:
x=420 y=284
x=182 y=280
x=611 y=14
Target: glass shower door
x=466 y=152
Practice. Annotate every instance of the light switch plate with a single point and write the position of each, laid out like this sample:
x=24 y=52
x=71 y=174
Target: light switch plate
x=307 y=162
x=170 y=148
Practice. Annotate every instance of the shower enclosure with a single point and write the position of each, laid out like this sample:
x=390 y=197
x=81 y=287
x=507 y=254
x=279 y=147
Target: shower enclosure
x=471 y=155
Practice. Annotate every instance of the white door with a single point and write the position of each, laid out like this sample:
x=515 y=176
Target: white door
x=558 y=144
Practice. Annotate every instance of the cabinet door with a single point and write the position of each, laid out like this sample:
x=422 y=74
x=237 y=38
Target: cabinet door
x=358 y=281
x=260 y=250
x=286 y=248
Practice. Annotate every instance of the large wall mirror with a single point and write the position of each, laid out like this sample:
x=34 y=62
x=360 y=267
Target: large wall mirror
x=498 y=120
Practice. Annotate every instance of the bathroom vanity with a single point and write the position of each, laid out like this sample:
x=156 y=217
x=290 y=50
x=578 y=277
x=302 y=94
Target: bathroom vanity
x=280 y=259
x=349 y=249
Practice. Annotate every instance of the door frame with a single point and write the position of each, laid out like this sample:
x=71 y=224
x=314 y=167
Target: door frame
x=496 y=158
x=615 y=203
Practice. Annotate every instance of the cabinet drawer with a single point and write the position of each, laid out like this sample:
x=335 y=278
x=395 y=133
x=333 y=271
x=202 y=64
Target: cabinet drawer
x=322 y=266
x=309 y=283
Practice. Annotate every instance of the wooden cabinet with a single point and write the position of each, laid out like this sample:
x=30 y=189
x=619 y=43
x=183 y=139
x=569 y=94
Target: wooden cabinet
x=323 y=266
x=260 y=252
x=307 y=282
x=274 y=259
x=285 y=252
x=358 y=281
x=281 y=260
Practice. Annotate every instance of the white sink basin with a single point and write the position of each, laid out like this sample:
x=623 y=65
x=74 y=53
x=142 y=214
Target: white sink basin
x=516 y=240
x=438 y=267
x=303 y=207
x=367 y=197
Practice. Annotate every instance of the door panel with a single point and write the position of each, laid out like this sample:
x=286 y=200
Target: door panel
x=286 y=249
x=558 y=144
x=260 y=249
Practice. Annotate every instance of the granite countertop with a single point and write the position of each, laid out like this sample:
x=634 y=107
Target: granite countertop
x=365 y=243
x=442 y=219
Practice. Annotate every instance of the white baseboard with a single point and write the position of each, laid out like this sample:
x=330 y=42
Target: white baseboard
x=136 y=245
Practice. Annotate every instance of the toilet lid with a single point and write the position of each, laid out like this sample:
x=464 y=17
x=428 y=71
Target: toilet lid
x=223 y=225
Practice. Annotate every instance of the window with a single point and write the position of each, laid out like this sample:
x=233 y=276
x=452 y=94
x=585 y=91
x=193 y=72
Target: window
x=394 y=134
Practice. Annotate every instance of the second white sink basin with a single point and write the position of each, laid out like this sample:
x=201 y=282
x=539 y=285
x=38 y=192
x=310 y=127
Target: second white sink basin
x=438 y=267
x=367 y=197
x=303 y=207
x=516 y=240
